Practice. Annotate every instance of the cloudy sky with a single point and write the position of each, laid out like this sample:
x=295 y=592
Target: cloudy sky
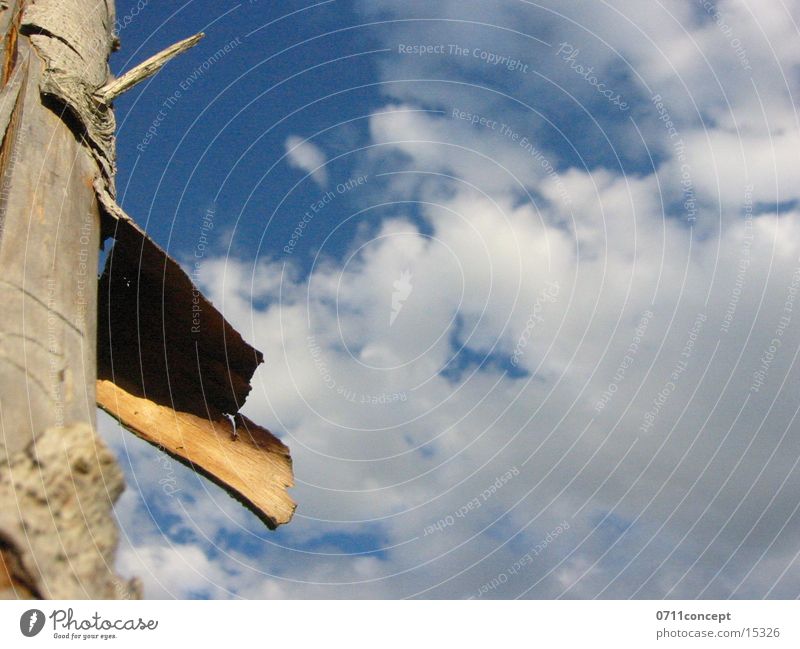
x=525 y=276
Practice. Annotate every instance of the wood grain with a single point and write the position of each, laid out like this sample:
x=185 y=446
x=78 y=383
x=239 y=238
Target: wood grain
x=251 y=463
x=57 y=480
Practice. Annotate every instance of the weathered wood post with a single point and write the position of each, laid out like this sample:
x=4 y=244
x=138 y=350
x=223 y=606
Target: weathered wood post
x=57 y=480
x=147 y=347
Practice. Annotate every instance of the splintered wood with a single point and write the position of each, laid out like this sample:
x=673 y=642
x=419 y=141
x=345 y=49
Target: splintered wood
x=172 y=355
x=249 y=462
x=144 y=70
x=171 y=368
x=182 y=372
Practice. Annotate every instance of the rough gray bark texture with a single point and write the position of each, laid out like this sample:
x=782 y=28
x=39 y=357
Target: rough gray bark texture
x=57 y=480
x=59 y=529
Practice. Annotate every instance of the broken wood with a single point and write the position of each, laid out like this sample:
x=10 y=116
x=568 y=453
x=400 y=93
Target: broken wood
x=182 y=372
x=160 y=338
x=249 y=462
x=58 y=481
x=110 y=91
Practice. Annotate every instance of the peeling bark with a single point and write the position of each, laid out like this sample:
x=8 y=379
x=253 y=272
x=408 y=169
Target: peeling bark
x=182 y=372
x=74 y=39
x=160 y=338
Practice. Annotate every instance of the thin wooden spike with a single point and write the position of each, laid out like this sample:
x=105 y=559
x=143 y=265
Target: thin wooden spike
x=144 y=70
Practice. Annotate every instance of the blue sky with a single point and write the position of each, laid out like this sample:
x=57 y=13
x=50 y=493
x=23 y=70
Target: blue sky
x=540 y=251
x=207 y=135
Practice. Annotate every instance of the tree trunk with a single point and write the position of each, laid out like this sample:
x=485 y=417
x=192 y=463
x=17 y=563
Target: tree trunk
x=176 y=374
x=58 y=481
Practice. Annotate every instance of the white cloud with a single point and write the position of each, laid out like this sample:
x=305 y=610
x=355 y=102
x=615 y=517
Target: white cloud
x=307 y=156
x=393 y=432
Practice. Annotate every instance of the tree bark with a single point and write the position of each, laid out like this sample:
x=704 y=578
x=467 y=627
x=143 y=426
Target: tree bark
x=58 y=481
